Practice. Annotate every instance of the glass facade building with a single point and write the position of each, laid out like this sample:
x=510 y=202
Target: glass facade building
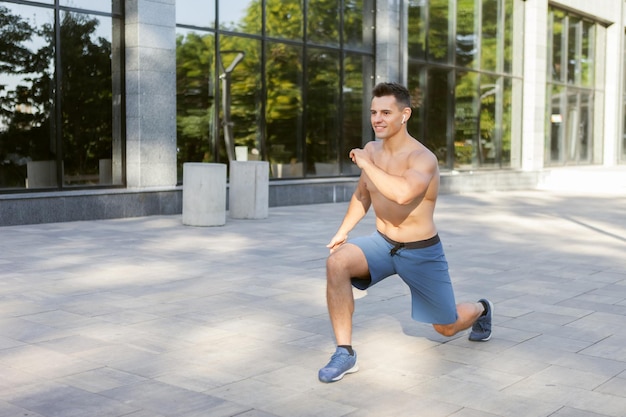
x=102 y=102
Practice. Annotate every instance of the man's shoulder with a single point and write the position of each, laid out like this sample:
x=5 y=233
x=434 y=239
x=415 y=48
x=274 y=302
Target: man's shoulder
x=422 y=153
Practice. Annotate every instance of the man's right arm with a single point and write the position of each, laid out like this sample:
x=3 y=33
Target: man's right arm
x=358 y=207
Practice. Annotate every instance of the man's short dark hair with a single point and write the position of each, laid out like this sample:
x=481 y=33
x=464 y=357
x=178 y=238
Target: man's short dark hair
x=400 y=92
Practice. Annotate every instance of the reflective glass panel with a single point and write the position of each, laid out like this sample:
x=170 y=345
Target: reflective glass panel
x=107 y=6
x=322 y=112
x=196 y=120
x=466 y=121
x=585 y=123
x=28 y=147
x=418 y=16
x=466 y=34
x=507 y=121
x=587 y=54
x=240 y=15
x=196 y=13
x=438 y=102
x=438 y=30
x=578 y=127
x=323 y=22
x=416 y=85
x=358 y=22
x=239 y=66
x=284 y=19
x=558 y=57
x=509 y=34
x=490 y=104
x=356 y=103
x=87 y=98
x=556 y=108
x=490 y=51
x=573 y=56
x=283 y=111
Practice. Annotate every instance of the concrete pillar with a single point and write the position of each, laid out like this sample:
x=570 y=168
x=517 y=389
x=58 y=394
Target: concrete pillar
x=388 y=46
x=249 y=189
x=40 y=174
x=204 y=194
x=535 y=64
x=150 y=39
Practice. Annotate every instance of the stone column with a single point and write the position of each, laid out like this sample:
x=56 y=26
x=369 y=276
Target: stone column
x=388 y=47
x=535 y=56
x=150 y=35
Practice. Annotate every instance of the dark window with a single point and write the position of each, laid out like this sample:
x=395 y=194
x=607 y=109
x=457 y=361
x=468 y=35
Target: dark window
x=61 y=96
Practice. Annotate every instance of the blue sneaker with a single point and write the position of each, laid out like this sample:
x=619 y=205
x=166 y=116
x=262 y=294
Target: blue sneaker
x=481 y=330
x=341 y=363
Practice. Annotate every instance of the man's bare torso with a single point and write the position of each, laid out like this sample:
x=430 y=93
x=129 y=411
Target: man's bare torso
x=413 y=221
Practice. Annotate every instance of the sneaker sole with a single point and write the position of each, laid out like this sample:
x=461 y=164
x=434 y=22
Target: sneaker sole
x=352 y=370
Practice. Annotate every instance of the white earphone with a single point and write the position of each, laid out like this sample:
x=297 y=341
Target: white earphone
x=403 y=119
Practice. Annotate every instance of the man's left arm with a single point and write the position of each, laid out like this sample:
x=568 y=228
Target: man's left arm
x=412 y=184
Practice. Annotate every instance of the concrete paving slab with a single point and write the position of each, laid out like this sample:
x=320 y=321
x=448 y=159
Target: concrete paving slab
x=146 y=317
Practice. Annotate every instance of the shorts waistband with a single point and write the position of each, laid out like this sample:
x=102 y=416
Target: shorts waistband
x=420 y=244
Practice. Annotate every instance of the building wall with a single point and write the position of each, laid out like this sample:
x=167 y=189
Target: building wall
x=151 y=123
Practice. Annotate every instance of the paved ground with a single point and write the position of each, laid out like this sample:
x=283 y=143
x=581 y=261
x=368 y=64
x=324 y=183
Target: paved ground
x=146 y=317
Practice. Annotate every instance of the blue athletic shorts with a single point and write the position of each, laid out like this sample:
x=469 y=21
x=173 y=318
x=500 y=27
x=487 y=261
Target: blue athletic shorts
x=421 y=265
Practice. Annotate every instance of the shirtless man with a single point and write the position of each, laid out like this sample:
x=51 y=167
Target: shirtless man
x=400 y=179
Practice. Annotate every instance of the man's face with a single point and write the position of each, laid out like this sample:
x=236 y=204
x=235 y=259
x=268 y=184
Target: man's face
x=386 y=116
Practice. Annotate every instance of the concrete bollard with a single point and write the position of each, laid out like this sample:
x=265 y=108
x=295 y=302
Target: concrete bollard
x=249 y=189
x=204 y=194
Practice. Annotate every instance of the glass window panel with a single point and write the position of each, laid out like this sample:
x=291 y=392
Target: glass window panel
x=95 y=5
x=489 y=113
x=438 y=30
x=507 y=133
x=240 y=91
x=417 y=18
x=416 y=84
x=358 y=22
x=573 y=56
x=356 y=104
x=87 y=107
x=490 y=51
x=284 y=19
x=323 y=22
x=466 y=34
x=28 y=145
x=240 y=15
x=509 y=35
x=578 y=125
x=196 y=123
x=283 y=112
x=558 y=56
x=437 y=112
x=465 y=120
x=196 y=13
x=322 y=112
x=585 y=131
x=556 y=109
x=587 y=54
